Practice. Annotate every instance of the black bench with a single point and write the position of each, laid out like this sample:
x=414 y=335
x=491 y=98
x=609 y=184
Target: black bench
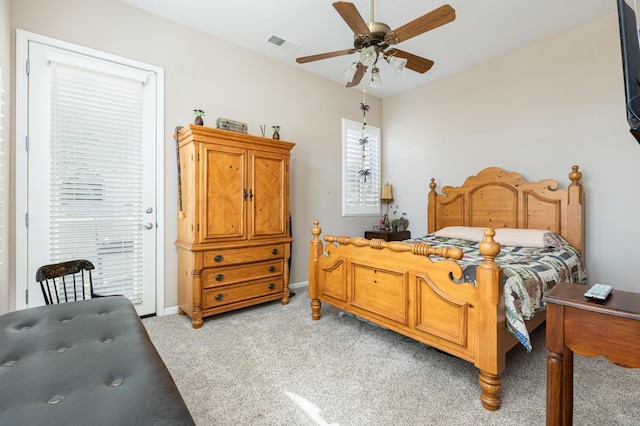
x=86 y=362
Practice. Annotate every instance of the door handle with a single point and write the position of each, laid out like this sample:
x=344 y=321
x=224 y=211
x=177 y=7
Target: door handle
x=147 y=226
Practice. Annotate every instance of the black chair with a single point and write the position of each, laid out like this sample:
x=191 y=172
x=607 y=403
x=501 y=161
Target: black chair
x=70 y=281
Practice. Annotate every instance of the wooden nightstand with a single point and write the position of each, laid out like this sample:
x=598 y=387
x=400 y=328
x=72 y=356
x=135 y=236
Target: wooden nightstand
x=388 y=235
x=578 y=325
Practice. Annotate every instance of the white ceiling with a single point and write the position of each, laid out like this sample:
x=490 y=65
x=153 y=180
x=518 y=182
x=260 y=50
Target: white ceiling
x=481 y=30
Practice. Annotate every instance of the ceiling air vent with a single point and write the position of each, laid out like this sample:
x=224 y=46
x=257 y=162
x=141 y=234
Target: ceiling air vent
x=281 y=43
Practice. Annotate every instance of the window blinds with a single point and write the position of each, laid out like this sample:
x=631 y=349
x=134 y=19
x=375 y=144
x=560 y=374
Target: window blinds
x=95 y=183
x=361 y=170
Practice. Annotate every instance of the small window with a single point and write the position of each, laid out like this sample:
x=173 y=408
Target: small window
x=360 y=169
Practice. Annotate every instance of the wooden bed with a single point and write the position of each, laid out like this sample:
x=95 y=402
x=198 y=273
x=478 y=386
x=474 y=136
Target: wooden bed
x=397 y=285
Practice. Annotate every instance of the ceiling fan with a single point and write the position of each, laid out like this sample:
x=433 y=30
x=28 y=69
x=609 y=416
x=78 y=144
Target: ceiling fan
x=375 y=40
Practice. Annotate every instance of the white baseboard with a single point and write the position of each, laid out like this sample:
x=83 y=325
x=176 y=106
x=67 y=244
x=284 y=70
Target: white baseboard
x=300 y=284
x=173 y=310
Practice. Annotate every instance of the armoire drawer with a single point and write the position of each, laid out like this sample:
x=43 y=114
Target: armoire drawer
x=215 y=277
x=240 y=292
x=224 y=257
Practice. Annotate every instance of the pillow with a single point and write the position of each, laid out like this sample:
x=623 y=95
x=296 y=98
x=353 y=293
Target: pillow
x=469 y=233
x=536 y=238
x=521 y=237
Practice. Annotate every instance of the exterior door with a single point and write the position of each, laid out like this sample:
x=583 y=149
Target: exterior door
x=92 y=179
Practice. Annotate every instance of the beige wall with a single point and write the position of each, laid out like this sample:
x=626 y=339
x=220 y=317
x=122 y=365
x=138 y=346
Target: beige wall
x=246 y=87
x=538 y=111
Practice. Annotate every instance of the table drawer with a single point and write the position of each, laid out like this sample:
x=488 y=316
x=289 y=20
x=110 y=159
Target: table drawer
x=240 y=292
x=215 y=258
x=215 y=277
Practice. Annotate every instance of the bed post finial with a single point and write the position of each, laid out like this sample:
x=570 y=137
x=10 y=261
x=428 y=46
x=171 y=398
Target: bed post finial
x=316 y=230
x=575 y=175
x=489 y=248
x=432 y=185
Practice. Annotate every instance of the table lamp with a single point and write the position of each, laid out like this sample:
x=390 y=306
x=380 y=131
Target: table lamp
x=387 y=197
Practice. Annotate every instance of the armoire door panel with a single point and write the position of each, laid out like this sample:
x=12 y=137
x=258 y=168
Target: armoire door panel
x=223 y=200
x=268 y=207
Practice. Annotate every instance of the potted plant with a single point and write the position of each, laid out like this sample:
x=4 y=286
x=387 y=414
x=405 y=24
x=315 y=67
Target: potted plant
x=276 y=132
x=401 y=223
x=198 y=120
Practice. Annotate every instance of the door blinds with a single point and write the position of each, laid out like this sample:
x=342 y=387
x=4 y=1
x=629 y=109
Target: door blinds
x=96 y=172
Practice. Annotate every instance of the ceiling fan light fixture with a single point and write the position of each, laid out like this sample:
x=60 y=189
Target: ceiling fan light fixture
x=371 y=41
x=396 y=63
x=368 y=56
x=350 y=72
x=375 y=78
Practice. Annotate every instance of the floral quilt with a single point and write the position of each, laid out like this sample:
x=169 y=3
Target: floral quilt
x=528 y=274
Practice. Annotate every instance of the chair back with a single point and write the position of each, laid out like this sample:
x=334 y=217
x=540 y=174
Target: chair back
x=66 y=281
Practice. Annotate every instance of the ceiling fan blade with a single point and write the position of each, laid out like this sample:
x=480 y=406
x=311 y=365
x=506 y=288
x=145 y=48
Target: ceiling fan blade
x=357 y=76
x=352 y=17
x=414 y=62
x=434 y=19
x=305 y=59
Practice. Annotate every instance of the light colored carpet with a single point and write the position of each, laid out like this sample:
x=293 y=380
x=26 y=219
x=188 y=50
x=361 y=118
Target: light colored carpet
x=272 y=365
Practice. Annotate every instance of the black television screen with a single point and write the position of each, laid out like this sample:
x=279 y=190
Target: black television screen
x=630 y=42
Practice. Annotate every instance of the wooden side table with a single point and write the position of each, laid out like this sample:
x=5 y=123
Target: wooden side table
x=576 y=324
x=388 y=235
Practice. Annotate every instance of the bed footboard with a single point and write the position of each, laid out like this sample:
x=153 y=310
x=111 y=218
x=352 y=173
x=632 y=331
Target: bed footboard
x=398 y=286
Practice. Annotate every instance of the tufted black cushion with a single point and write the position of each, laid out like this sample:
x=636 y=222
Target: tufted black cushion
x=87 y=362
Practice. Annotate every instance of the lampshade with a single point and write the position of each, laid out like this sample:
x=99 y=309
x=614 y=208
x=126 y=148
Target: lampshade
x=396 y=63
x=375 y=78
x=387 y=192
x=350 y=72
x=368 y=56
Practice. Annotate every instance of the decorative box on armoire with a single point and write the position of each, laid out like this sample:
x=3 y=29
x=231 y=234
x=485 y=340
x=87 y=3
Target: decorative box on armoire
x=234 y=242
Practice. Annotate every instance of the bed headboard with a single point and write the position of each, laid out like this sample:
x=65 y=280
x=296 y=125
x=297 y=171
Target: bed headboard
x=500 y=199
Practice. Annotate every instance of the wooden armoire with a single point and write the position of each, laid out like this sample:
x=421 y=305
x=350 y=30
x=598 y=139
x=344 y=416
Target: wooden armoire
x=234 y=241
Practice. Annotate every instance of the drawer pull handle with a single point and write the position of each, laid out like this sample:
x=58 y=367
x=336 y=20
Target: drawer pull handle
x=219 y=296
x=219 y=277
x=219 y=258
x=274 y=251
x=272 y=268
x=272 y=286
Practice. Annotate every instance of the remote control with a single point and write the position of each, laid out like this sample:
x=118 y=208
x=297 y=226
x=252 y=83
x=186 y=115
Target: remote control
x=598 y=292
